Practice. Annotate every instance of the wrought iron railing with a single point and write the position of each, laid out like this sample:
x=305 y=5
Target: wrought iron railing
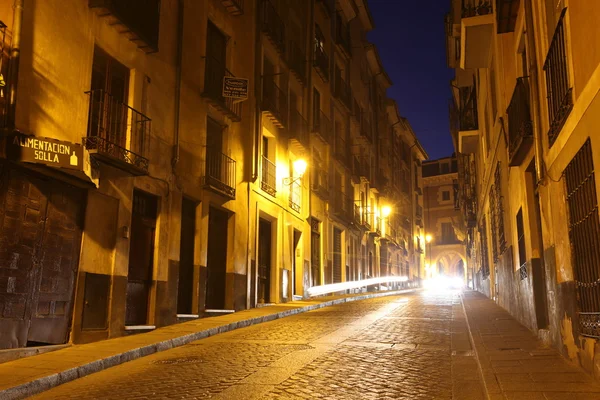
x=342 y=35
x=298 y=129
x=468 y=119
x=342 y=92
x=320 y=182
x=322 y=126
x=473 y=8
x=559 y=92
x=274 y=100
x=520 y=125
x=341 y=151
x=296 y=61
x=214 y=74
x=321 y=62
x=268 y=181
x=419 y=212
x=272 y=25
x=117 y=131
x=220 y=172
x=365 y=128
x=141 y=17
x=295 y=200
x=584 y=235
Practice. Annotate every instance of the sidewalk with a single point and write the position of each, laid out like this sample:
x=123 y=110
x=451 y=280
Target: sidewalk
x=514 y=364
x=28 y=376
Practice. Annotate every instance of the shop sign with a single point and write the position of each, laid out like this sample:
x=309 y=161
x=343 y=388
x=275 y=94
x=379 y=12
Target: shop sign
x=52 y=152
x=235 y=88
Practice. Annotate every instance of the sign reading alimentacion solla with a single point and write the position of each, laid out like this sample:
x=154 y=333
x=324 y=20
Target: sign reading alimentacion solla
x=52 y=152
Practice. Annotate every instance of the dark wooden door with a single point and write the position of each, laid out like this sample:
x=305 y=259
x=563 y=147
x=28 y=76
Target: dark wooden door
x=337 y=255
x=297 y=236
x=141 y=257
x=40 y=237
x=216 y=259
x=264 y=261
x=216 y=55
x=186 y=257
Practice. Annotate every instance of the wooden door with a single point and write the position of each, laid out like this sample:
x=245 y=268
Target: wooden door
x=337 y=255
x=185 y=287
x=216 y=259
x=264 y=261
x=141 y=257
x=40 y=237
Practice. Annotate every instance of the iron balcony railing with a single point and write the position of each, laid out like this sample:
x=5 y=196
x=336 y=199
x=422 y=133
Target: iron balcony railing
x=141 y=17
x=298 y=129
x=468 y=119
x=361 y=167
x=419 y=211
x=117 y=133
x=358 y=217
x=274 y=102
x=295 y=200
x=473 y=8
x=378 y=225
x=560 y=94
x=234 y=7
x=365 y=128
x=297 y=61
x=320 y=183
x=220 y=172
x=341 y=151
x=342 y=92
x=214 y=74
x=342 y=35
x=273 y=26
x=268 y=181
x=343 y=207
x=321 y=62
x=520 y=125
x=322 y=126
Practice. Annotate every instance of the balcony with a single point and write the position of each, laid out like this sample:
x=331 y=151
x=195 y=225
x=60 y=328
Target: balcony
x=137 y=19
x=234 y=7
x=366 y=131
x=274 y=103
x=390 y=233
x=361 y=168
x=295 y=200
x=219 y=174
x=342 y=36
x=321 y=63
x=297 y=61
x=380 y=181
x=214 y=74
x=273 y=26
x=559 y=91
x=343 y=207
x=117 y=134
x=320 y=183
x=322 y=126
x=268 y=179
x=343 y=93
x=520 y=125
x=506 y=15
x=465 y=119
x=377 y=229
x=342 y=151
x=476 y=30
x=298 y=132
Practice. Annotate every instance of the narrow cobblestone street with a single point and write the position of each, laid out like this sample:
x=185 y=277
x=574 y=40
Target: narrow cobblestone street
x=399 y=347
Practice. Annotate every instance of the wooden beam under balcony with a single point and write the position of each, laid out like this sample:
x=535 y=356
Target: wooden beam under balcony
x=234 y=7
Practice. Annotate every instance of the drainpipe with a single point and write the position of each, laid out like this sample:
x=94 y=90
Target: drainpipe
x=15 y=55
x=178 y=69
x=535 y=103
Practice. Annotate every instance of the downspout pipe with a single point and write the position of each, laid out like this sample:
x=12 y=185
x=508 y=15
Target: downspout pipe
x=535 y=103
x=15 y=55
x=178 y=68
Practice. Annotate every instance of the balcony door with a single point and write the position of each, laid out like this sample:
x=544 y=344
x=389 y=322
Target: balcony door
x=109 y=92
x=214 y=150
x=216 y=53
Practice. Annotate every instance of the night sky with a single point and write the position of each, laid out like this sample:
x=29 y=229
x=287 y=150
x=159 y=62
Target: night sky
x=410 y=38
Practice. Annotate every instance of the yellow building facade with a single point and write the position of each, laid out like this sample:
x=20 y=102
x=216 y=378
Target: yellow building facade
x=168 y=160
x=524 y=119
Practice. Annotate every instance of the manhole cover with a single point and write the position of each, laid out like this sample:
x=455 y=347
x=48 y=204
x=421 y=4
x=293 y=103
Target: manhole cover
x=179 y=361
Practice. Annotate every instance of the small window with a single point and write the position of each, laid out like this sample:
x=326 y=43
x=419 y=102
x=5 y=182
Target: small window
x=446 y=195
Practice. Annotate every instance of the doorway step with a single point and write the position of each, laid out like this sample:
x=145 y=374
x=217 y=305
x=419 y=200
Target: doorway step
x=216 y=313
x=7 y=355
x=187 y=317
x=135 y=329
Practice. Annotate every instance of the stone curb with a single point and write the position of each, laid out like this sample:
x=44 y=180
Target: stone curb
x=479 y=367
x=48 y=382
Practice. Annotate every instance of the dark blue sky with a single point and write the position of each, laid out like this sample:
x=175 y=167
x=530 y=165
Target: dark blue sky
x=410 y=38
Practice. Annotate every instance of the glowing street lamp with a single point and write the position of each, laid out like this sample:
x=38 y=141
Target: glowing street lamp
x=386 y=211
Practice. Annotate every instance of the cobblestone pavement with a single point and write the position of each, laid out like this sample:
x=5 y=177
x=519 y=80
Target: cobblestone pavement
x=397 y=347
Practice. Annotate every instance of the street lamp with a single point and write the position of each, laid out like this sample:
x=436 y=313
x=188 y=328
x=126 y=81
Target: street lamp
x=299 y=166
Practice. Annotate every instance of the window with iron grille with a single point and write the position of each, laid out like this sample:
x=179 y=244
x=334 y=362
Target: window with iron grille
x=497 y=216
x=521 y=241
x=584 y=235
x=485 y=265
